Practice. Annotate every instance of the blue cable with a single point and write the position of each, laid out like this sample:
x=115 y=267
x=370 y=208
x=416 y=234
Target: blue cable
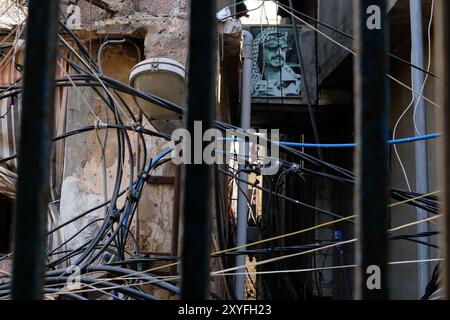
x=290 y=144
x=349 y=145
x=140 y=182
x=301 y=145
x=162 y=155
x=154 y=162
x=353 y=145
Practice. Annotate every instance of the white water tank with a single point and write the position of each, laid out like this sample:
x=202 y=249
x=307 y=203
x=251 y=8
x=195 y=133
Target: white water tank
x=164 y=78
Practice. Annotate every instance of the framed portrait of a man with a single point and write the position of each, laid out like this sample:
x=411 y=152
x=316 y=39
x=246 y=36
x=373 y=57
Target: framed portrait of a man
x=276 y=70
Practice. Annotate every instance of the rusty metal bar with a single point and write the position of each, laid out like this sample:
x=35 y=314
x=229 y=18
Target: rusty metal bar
x=442 y=40
x=198 y=185
x=34 y=155
x=372 y=129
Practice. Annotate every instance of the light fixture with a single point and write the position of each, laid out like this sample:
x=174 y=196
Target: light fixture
x=164 y=78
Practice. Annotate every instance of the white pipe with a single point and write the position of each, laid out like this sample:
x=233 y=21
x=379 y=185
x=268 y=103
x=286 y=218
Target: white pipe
x=417 y=58
x=242 y=209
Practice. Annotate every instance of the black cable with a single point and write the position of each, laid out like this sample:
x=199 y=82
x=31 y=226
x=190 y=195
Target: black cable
x=316 y=209
x=350 y=36
x=104 y=285
x=243 y=12
x=75 y=235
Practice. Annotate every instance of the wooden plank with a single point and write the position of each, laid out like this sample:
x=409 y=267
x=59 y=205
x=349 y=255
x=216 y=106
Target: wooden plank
x=159 y=180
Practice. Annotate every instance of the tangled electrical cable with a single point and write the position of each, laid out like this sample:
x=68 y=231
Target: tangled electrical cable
x=105 y=252
x=110 y=239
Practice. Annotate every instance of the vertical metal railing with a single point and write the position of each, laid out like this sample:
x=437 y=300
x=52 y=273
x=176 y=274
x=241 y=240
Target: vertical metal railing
x=371 y=162
x=197 y=178
x=34 y=154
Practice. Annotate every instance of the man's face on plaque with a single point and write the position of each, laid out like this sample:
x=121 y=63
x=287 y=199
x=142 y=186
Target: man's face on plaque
x=275 y=52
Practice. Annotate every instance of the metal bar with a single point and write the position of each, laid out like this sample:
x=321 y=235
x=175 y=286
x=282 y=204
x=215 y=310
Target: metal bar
x=198 y=177
x=371 y=125
x=242 y=206
x=442 y=41
x=34 y=156
x=417 y=59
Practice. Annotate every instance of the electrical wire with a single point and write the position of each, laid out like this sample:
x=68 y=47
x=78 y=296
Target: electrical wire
x=110 y=238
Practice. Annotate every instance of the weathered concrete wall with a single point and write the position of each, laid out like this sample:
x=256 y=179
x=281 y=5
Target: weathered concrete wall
x=167 y=38
x=10 y=14
x=155 y=209
x=163 y=26
x=339 y=14
x=83 y=186
x=129 y=15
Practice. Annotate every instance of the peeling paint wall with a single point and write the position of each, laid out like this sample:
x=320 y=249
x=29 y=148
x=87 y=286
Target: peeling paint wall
x=163 y=27
x=168 y=38
x=83 y=186
x=156 y=207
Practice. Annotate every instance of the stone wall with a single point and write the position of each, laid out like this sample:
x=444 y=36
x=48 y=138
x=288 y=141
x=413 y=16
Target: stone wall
x=159 y=28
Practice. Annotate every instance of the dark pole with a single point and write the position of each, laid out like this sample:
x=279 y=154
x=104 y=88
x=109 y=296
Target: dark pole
x=442 y=60
x=372 y=101
x=197 y=178
x=34 y=156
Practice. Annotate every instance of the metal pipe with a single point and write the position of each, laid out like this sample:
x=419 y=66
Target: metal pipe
x=197 y=177
x=114 y=42
x=442 y=49
x=102 y=47
x=34 y=156
x=242 y=206
x=371 y=126
x=417 y=59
